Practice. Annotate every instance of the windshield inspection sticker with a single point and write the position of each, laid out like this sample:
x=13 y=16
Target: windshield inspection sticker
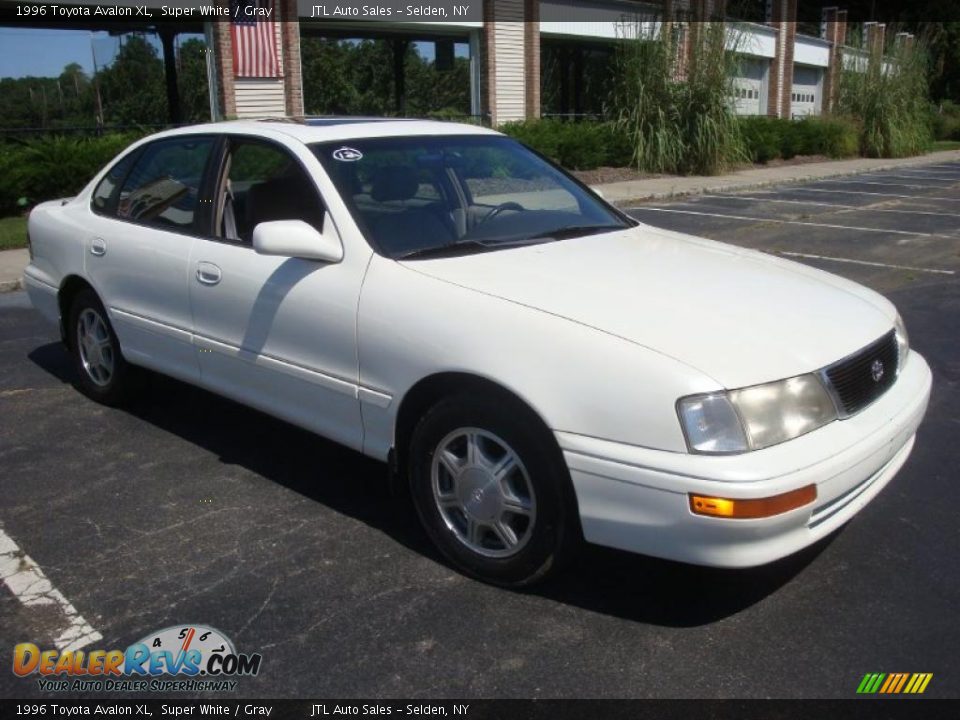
x=347 y=154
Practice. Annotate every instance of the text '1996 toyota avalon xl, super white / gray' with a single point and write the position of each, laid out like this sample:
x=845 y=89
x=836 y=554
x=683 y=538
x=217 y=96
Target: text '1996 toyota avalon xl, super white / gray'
x=539 y=367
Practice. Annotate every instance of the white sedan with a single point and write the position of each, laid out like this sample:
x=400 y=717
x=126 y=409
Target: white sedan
x=538 y=367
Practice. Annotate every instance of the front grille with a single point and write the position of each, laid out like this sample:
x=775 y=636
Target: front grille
x=864 y=376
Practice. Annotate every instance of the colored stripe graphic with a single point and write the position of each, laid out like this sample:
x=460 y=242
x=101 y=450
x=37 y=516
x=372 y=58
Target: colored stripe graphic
x=894 y=683
x=903 y=679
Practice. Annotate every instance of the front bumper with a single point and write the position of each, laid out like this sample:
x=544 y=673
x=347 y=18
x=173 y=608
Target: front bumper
x=636 y=499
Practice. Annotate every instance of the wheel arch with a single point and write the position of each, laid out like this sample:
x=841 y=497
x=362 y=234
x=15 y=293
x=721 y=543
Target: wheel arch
x=71 y=286
x=428 y=391
x=431 y=389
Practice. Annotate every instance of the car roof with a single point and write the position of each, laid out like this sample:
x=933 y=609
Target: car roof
x=325 y=129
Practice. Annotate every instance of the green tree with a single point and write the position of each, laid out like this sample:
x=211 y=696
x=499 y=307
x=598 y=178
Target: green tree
x=356 y=77
x=192 y=81
x=431 y=91
x=327 y=75
x=132 y=86
x=945 y=62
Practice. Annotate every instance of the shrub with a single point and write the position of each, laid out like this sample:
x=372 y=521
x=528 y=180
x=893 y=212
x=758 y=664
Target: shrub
x=762 y=137
x=582 y=145
x=888 y=98
x=53 y=166
x=769 y=138
x=835 y=137
x=8 y=184
x=678 y=126
x=945 y=121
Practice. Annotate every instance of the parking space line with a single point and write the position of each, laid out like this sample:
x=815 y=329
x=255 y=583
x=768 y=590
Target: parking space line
x=796 y=222
x=866 y=262
x=889 y=184
x=31 y=587
x=878 y=194
x=864 y=208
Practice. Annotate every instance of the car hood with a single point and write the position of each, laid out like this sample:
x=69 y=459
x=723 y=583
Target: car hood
x=739 y=316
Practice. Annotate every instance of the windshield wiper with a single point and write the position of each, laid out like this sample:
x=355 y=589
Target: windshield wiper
x=572 y=231
x=445 y=249
x=459 y=246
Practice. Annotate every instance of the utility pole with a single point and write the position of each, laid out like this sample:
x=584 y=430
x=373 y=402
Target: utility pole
x=98 y=108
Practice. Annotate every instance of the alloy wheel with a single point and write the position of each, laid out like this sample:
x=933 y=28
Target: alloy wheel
x=483 y=492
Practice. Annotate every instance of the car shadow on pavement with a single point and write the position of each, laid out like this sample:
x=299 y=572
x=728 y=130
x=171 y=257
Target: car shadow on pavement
x=672 y=594
x=601 y=580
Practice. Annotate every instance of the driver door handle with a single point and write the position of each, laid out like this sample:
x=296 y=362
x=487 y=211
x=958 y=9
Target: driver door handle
x=208 y=273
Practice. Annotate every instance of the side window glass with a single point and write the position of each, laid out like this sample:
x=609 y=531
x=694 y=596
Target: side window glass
x=106 y=188
x=163 y=188
x=264 y=183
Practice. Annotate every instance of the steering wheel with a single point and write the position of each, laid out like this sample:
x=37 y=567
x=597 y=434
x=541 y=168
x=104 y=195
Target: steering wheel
x=516 y=207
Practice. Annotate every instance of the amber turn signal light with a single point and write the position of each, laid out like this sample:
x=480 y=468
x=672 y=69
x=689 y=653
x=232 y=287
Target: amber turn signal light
x=754 y=507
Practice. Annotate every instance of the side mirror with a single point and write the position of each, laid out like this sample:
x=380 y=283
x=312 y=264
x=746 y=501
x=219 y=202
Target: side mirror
x=295 y=238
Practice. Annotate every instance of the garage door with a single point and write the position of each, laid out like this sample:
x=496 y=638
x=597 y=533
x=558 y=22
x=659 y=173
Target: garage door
x=805 y=97
x=749 y=85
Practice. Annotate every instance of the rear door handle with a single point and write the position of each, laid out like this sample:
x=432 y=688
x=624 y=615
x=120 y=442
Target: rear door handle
x=98 y=247
x=208 y=273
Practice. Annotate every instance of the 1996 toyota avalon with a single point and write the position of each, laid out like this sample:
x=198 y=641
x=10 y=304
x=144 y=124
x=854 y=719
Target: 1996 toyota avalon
x=540 y=367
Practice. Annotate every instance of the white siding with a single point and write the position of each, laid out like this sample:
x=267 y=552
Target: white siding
x=752 y=39
x=854 y=59
x=452 y=24
x=608 y=19
x=509 y=76
x=811 y=51
x=587 y=29
x=259 y=97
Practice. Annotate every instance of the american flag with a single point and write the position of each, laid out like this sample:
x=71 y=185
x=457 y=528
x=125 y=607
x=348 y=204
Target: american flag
x=254 y=40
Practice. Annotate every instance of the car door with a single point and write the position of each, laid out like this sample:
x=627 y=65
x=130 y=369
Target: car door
x=145 y=220
x=277 y=333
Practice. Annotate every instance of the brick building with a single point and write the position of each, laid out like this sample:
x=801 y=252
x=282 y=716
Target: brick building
x=532 y=58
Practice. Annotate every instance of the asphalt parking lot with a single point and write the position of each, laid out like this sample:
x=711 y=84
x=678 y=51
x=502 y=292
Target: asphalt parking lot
x=190 y=509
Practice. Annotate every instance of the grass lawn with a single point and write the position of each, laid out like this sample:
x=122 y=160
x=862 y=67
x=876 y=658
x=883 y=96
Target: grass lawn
x=946 y=145
x=13 y=233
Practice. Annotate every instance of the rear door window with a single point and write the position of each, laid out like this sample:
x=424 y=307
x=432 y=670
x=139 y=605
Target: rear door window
x=104 y=195
x=163 y=188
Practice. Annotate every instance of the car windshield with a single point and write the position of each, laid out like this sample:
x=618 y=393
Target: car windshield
x=426 y=196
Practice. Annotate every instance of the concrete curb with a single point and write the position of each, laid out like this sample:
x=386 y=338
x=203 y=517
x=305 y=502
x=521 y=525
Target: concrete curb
x=11 y=285
x=728 y=183
x=12 y=264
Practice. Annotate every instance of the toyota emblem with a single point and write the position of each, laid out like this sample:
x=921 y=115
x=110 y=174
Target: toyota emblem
x=876 y=370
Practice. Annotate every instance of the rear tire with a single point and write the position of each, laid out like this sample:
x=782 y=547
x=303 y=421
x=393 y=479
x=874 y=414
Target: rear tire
x=492 y=490
x=102 y=372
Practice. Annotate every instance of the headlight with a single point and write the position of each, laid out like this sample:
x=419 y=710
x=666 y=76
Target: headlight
x=903 y=342
x=755 y=417
x=711 y=424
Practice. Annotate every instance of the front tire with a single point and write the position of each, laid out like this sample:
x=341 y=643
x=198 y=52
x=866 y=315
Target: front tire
x=492 y=491
x=102 y=372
